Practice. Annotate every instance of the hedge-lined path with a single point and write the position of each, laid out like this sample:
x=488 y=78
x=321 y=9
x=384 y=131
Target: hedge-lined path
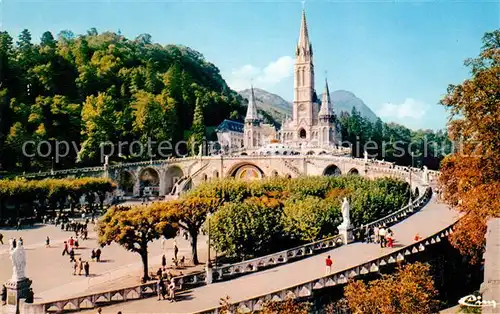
x=431 y=219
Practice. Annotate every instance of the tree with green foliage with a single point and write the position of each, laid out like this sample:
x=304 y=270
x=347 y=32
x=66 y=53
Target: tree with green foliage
x=197 y=127
x=309 y=218
x=99 y=87
x=134 y=227
x=247 y=229
x=190 y=213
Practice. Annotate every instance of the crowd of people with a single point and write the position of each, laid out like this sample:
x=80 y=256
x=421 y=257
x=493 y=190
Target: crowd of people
x=73 y=244
x=382 y=235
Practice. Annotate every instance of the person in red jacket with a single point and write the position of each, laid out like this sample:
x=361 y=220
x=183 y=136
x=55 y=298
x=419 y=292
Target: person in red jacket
x=328 y=263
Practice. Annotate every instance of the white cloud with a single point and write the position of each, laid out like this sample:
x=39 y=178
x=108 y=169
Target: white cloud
x=266 y=77
x=410 y=108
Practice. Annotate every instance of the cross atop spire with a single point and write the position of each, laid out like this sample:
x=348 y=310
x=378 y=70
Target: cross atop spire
x=304 y=45
x=326 y=103
x=252 y=108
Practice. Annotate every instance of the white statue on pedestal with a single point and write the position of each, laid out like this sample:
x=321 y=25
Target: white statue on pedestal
x=346 y=220
x=18 y=257
x=425 y=175
x=365 y=154
x=106 y=161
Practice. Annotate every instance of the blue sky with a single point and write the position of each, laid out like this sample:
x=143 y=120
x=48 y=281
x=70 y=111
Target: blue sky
x=398 y=57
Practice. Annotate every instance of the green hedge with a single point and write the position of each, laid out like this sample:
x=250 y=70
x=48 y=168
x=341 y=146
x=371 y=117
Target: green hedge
x=28 y=195
x=303 y=209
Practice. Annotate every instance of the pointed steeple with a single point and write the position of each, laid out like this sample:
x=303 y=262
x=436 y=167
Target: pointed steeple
x=326 y=102
x=252 y=108
x=304 y=45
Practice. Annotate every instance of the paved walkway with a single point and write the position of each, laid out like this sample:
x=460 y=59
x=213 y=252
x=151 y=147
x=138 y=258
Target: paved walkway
x=431 y=219
x=52 y=274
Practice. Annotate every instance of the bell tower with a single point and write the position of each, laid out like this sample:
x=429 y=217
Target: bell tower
x=303 y=108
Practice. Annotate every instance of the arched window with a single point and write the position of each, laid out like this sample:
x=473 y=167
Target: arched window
x=302 y=133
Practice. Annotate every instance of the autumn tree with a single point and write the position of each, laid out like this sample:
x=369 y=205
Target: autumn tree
x=409 y=290
x=288 y=306
x=191 y=212
x=470 y=177
x=134 y=227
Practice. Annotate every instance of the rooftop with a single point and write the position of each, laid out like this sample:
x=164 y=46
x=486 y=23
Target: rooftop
x=230 y=125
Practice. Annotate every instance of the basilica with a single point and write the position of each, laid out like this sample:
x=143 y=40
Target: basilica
x=313 y=126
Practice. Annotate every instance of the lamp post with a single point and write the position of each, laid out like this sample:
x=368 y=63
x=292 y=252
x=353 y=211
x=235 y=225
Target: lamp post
x=208 y=220
x=208 y=278
x=411 y=170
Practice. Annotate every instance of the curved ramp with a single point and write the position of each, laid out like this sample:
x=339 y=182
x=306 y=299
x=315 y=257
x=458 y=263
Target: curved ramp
x=430 y=223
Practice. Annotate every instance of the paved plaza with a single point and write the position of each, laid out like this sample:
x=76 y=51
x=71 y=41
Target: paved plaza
x=52 y=273
x=430 y=219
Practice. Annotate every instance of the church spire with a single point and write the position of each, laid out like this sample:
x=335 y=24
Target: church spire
x=304 y=45
x=326 y=102
x=252 y=108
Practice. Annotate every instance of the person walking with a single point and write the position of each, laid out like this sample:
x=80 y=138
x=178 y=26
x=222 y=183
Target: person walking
x=1 y=238
x=98 y=255
x=86 y=267
x=30 y=296
x=163 y=261
x=417 y=237
x=75 y=267
x=21 y=241
x=376 y=234
x=176 y=250
x=163 y=241
x=329 y=264
x=4 y=294
x=65 y=250
x=171 y=290
x=369 y=235
x=80 y=266
x=72 y=255
x=47 y=242
x=160 y=288
x=382 y=234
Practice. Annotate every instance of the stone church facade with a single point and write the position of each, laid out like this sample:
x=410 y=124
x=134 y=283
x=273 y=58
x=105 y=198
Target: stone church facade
x=313 y=124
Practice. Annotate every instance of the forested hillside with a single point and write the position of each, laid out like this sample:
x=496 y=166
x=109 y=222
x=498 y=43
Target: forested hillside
x=394 y=142
x=93 y=88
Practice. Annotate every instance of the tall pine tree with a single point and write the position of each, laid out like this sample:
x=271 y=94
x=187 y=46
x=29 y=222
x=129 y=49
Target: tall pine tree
x=198 y=127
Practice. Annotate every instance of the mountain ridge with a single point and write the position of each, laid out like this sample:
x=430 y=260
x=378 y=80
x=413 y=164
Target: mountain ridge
x=277 y=107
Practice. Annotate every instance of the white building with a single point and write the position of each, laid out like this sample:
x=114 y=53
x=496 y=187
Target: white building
x=256 y=133
x=313 y=128
x=230 y=135
x=313 y=125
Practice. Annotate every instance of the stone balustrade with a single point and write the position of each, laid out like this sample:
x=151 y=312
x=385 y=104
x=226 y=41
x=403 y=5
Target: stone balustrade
x=118 y=295
x=383 y=166
x=306 y=289
x=237 y=269
x=283 y=257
